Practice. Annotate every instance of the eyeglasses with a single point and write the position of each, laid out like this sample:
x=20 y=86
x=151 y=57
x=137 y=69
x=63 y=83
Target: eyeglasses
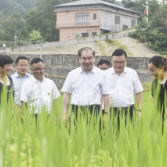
x=89 y=58
x=119 y=62
x=36 y=70
x=22 y=65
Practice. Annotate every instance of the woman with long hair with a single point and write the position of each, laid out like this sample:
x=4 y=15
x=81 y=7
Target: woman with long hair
x=157 y=68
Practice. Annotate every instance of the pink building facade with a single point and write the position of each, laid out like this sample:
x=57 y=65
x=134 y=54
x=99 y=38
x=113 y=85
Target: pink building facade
x=86 y=18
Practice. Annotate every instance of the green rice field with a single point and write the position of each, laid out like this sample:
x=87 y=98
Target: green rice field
x=53 y=143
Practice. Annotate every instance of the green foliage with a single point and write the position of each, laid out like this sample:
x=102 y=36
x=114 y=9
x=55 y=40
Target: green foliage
x=52 y=143
x=35 y=36
x=109 y=41
x=154 y=32
x=135 y=5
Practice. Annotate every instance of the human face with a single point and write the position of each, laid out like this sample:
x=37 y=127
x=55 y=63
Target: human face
x=22 y=67
x=103 y=67
x=155 y=71
x=6 y=69
x=38 y=70
x=87 y=60
x=119 y=63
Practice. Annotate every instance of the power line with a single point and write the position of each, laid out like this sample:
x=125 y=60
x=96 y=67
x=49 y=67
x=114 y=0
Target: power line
x=11 y=36
x=6 y=31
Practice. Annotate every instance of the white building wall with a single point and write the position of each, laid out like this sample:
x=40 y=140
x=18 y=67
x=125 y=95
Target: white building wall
x=108 y=21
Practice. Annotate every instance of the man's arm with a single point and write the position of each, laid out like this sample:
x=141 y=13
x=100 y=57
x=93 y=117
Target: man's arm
x=139 y=98
x=106 y=105
x=23 y=106
x=106 y=102
x=66 y=102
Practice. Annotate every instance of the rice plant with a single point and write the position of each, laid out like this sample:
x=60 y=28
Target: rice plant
x=51 y=142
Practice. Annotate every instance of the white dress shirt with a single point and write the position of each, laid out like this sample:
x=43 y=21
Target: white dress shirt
x=39 y=94
x=18 y=82
x=123 y=87
x=86 y=89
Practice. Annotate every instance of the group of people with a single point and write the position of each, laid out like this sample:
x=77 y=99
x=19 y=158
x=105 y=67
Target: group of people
x=86 y=88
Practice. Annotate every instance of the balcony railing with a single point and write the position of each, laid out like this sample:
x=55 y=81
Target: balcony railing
x=78 y=23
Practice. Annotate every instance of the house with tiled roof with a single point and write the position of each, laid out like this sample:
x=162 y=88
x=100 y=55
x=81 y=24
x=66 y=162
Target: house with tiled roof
x=85 y=18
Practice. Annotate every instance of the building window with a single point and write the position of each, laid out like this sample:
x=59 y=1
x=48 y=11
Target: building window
x=117 y=19
x=77 y=35
x=133 y=23
x=94 y=16
x=125 y=27
x=85 y=34
x=94 y=33
x=81 y=19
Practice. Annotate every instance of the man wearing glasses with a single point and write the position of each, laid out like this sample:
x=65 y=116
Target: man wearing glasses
x=39 y=92
x=86 y=85
x=20 y=76
x=123 y=82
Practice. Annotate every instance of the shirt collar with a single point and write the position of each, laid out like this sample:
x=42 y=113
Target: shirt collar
x=35 y=80
x=93 y=70
x=17 y=75
x=124 y=71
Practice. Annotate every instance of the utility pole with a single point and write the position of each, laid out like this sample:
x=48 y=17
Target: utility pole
x=15 y=39
x=41 y=50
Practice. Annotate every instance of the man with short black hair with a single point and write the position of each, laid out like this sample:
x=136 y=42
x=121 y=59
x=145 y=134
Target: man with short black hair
x=123 y=82
x=38 y=91
x=103 y=64
x=20 y=76
x=86 y=85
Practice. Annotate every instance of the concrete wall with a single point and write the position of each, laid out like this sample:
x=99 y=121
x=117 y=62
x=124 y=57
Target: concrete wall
x=70 y=42
x=58 y=66
x=108 y=19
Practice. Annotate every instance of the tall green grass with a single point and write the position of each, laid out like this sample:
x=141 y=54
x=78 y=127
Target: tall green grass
x=53 y=143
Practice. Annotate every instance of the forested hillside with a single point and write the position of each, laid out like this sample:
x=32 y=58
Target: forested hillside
x=35 y=20
x=8 y=6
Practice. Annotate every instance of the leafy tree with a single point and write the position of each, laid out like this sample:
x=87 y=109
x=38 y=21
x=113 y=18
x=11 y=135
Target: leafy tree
x=35 y=36
x=43 y=17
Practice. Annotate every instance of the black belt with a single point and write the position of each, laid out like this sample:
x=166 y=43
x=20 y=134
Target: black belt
x=123 y=108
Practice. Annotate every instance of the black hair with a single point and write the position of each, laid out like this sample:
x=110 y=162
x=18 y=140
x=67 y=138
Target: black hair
x=85 y=48
x=158 y=62
x=21 y=58
x=36 y=60
x=119 y=52
x=5 y=59
x=103 y=61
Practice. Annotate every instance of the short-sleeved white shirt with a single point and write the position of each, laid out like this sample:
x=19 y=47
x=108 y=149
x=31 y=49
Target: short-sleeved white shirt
x=86 y=89
x=39 y=94
x=123 y=87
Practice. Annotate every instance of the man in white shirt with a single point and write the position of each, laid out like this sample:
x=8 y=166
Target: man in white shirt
x=86 y=85
x=103 y=65
x=39 y=92
x=123 y=82
x=20 y=76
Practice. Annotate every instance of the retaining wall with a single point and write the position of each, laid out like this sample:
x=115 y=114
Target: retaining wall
x=8 y=50
x=58 y=66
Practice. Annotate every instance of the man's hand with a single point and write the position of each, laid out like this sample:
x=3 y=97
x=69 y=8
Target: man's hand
x=66 y=101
